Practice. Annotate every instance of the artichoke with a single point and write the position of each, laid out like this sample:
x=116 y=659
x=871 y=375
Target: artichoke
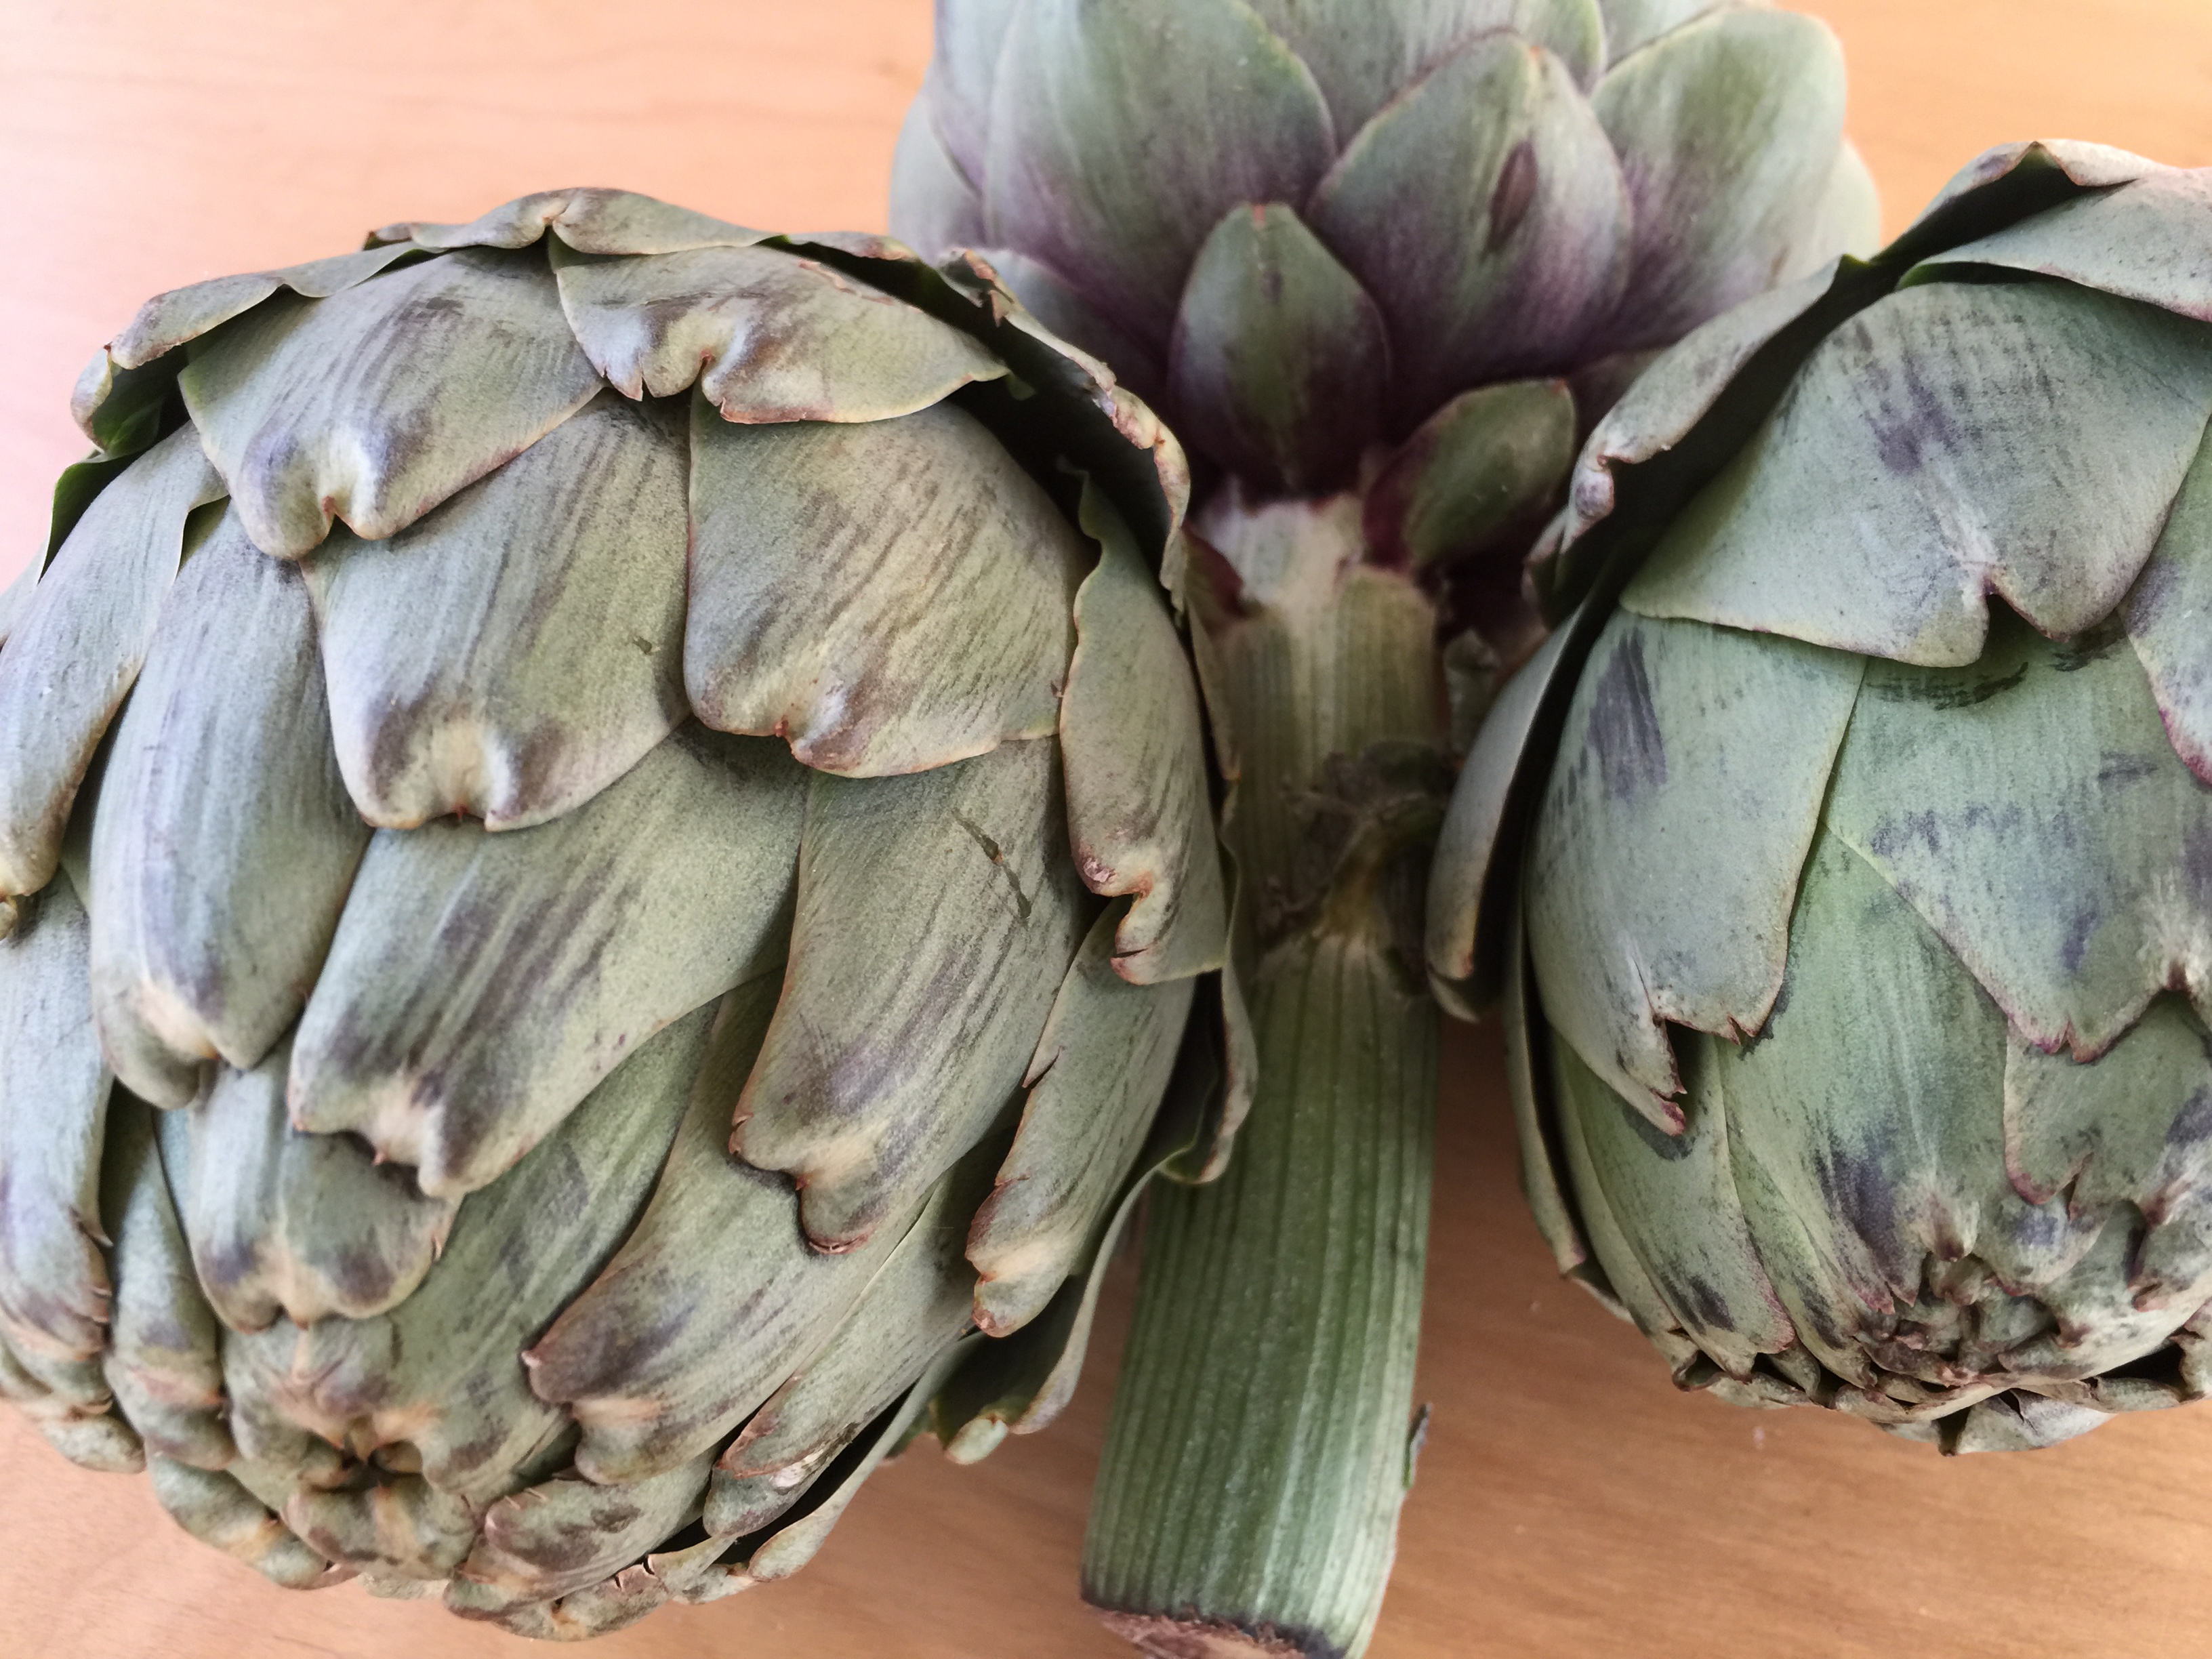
x=1844 y=862
x=605 y=828
x=1302 y=227
x=1378 y=261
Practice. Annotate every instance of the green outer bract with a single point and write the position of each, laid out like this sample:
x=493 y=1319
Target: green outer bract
x=1841 y=861
x=607 y=851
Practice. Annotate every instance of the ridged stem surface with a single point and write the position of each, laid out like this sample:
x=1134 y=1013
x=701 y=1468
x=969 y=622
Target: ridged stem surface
x=1261 y=1447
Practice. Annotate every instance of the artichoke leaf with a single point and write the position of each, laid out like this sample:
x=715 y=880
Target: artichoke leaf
x=77 y=643
x=1239 y=1055
x=2166 y=613
x=1363 y=55
x=105 y=1444
x=2134 y=1128
x=1659 y=1266
x=963 y=66
x=19 y=1387
x=714 y=1298
x=1670 y=399
x=1674 y=1199
x=610 y=1605
x=540 y=1544
x=286 y=1458
x=1467 y=901
x=2150 y=239
x=1529 y=1082
x=600 y=222
x=937 y=915
x=216 y=1508
x=2111 y=1306
x=1077 y=173
x=1868 y=1161
x=1140 y=819
x=1018 y=1384
x=1665 y=857
x=1629 y=1288
x=1631 y=24
x=1485 y=458
x=768 y=336
x=1116 y=432
x=400 y=1529
x=121 y=410
x=480 y=985
x=53 y=1116
x=16 y=599
x=2014 y=179
x=68 y=1403
x=889 y=597
x=916 y=1307
x=184 y=314
x=796 y=1540
x=2073 y=902
x=935 y=208
x=1486 y=213
x=1055 y=303
x=1728 y=129
x=212 y=908
x=2018 y=1421
x=301 y=1226
x=1100 y=1070
x=516 y=651
x=381 y=402
x=1277 y=356
x=439 y=1372
x=164 y=1361
x=1847 y=219
x=2040 y=464
x=718 y=1566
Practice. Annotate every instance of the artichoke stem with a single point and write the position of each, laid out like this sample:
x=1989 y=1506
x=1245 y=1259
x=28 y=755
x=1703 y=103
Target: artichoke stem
x=1259 y=1448
x=1262 y=1441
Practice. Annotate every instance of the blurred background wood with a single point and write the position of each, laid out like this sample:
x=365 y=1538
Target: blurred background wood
x=1569 y=1502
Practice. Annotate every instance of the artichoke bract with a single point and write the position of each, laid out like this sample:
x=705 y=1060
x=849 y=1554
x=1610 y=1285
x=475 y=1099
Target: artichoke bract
x=606 y=833
x=1380 y=262
x=1841 y=863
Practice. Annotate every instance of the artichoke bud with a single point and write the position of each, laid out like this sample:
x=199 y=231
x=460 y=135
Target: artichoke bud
x=1403 y=251
x=610 y=850
x=1840 y=861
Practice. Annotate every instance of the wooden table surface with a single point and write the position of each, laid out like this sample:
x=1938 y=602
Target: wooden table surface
x=1569 y=1502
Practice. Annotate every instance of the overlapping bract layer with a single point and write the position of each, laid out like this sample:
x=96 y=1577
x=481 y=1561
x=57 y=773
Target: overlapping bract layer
x=609 y=856
x=1302 y=225
x=1846 y=860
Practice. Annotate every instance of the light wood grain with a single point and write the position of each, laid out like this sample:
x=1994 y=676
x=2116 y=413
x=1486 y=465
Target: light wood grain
x=1569 y=1502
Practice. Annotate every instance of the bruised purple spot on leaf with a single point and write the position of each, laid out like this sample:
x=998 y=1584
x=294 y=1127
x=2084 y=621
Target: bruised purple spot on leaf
x=1892 y=838
x=2081 y=928
x=2196 y=863
x=1904 y=440
x=1700 y=1299
x=1624 y=726
x=1857 y=1190
x=2114 y=769
x=2192 y=1124
x=1510 y=198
